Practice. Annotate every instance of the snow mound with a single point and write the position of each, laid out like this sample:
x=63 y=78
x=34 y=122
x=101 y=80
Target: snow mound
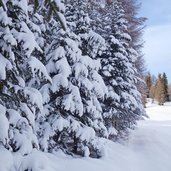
x=6 y=159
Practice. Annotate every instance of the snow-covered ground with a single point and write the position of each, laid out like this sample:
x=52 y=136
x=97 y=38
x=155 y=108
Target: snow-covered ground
x=148 y=149
x=151 y=142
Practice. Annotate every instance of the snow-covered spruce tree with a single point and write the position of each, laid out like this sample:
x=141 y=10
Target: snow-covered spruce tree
x=102 y=25
x=92 y=43
x=21 y=76
x=101 y=15
x=73 y=113
x=135 y=29
x=123 y=106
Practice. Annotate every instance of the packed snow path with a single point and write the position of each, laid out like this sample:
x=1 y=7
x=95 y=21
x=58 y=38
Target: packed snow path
x=151 y=142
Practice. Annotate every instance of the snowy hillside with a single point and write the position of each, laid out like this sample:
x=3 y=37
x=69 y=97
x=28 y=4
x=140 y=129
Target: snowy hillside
x=148 y=149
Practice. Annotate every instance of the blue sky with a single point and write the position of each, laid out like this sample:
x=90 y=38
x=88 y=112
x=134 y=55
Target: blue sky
x=157 y=35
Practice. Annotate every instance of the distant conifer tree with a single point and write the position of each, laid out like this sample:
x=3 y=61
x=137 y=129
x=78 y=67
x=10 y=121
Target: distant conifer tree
x=165 y=82
x=160 y=91
x=148 y=81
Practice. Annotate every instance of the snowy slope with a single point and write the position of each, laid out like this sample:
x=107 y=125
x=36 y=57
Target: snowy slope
x=148 y=149
x=151 y=142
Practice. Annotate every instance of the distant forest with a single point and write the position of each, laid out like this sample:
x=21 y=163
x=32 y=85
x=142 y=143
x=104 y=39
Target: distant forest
x=158 y=88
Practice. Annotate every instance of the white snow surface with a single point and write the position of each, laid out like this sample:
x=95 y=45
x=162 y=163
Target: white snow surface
x=148 y=149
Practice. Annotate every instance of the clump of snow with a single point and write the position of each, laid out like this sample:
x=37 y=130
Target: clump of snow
x=27 y=38
x=4 y=125
x=36 y=161
x=5 y=65
x=73 y=101
x=34 y=97
x=45 y=93
x=4 y=19
x=86 y=134
x=112 y=131
x=60 y=123
x=38 y=68
x=23 y=141
x=86 y=152
x=28 y=114
x=14 y=117
x=8 y=37
x=59 y=81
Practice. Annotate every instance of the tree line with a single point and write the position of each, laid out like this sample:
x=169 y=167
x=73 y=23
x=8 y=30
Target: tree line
x=157 y=88
x=70 y=74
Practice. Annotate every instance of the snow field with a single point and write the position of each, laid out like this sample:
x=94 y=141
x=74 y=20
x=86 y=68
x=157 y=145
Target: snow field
x=148 y=149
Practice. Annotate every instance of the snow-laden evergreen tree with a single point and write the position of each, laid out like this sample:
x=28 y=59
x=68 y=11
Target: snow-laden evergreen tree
x=99 y=45
x=21 y=76
x=148 y=81
x=123 y=106
x=73 y=112
x=101 y=16
x=135 y=27
x=105 y=24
